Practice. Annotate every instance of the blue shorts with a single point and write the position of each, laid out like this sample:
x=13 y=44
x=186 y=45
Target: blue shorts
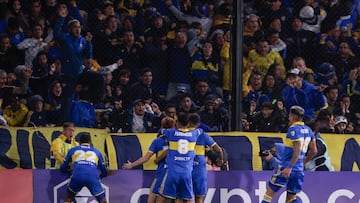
x=199 y=178
x=177 y=185
x=92 y=183
x=156 y=184
x=293 y=183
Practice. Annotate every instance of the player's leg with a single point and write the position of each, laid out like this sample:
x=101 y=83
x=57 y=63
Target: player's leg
x=74 y=187
x=185 y=187
x=152 y=195
x=294 y=186
x=69 y=197
x=199 y=199
x=95 y=188
x=200 y=185
x=276 y=182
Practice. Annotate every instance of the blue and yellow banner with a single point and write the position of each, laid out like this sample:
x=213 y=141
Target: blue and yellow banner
x=29 y=148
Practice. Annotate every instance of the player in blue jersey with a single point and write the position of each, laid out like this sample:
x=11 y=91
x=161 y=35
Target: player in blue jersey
x=291 y=155
x=199 y=173
x=180 y=159
x=158 y=147
x=86 y=162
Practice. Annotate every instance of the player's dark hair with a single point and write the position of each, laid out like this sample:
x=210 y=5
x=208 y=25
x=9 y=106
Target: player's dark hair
x=194 y=119
x=183 y=119
x=85 y=138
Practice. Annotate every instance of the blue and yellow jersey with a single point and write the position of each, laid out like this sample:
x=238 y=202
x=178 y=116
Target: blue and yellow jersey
x=203 y=140
x=181 y=149
x=86 y=161
x=297 y=132
x=202 y=67
x=158 y=146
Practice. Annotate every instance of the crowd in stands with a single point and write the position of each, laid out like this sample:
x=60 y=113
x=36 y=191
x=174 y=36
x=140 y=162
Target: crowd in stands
x=125 y=64
x=122 y=65
x=303 y=53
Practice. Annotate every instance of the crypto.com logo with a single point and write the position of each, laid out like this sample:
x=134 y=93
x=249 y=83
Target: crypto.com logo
x=84 y=196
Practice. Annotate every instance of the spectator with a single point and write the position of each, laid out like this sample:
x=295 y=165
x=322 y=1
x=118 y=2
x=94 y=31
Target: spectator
x=210 y=115
x=15 y=112
x=10 y=57
x=262 y=57
x=156 y=57
x=352 y=89
x=107 y=42
x=118 y=117
x=275 y=43
x=299 y=42
x=344 y=60
x=271 y=89
x=300 y=92
x=73 y=53
x=325 y=74
x=170 y=111
x=251 y=26
x=202 y=90
x=205 y=67
x=342 y=126
x=218 y=40
x=142 y=88
x=132 y=54
x=308 y=73
x=44 y=73
x=311 y=20
x=225 y=54
x=36 y=117
x=16 y=12
x=141 y=121
x=35 y=13
x=33 y=46
x=268 y=120
x=62 y=144
x=7 y=91
x=82 y=110
x=275 y=9
x=53 y=102
x=331 y=94
x=206 y=22
x=179 y=65
x=186 y=104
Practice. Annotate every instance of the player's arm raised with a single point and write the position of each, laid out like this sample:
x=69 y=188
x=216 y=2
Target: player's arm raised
x=141 y=160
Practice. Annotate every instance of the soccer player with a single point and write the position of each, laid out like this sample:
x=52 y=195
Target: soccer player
x=199 y=173
x=180 y=159
x=62 y=144
x=291 y=155
x=158 y=146
x=86 y=163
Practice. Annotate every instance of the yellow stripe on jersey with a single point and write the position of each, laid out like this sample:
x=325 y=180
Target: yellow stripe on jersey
x=289 y=143
x=200 y=150
x=176 y=146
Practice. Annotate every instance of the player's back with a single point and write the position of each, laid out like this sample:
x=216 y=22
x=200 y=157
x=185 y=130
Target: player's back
x=181 y=149
x=86 y=160
x=297 y=132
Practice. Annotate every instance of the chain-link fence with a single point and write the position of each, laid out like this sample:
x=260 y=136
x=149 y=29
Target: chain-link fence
x=301 y=53
x=104 y=63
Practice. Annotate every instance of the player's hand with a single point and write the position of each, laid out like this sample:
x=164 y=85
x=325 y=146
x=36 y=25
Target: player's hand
x=127 y=165
x=286 y=172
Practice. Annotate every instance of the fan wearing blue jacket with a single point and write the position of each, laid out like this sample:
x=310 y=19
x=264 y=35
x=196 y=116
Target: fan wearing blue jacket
x=302 y=93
